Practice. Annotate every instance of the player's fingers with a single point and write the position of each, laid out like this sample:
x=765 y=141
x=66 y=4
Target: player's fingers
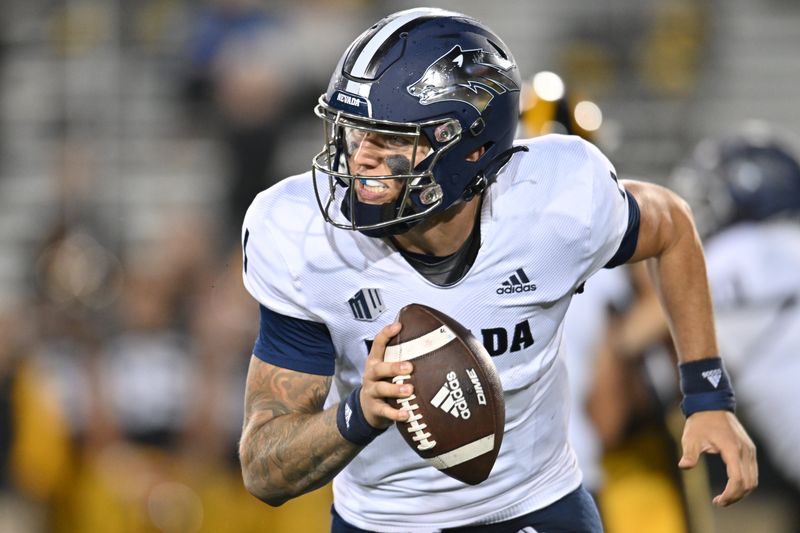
x=382 y=370
x=735 y=487
x=377 y=384
x=753 y=467
x=376 y=388
x=691 y=454
x=376 y=410
x=385 y=389
x=742 y=470
x=382 y=339
x=375 y=368
x=386 y=411
x=750 y=460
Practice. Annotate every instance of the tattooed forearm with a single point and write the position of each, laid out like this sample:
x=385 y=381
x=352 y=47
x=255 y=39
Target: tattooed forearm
x=289 y=444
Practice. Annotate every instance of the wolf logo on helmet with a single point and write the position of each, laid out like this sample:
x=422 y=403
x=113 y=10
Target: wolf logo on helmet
x=469 y=76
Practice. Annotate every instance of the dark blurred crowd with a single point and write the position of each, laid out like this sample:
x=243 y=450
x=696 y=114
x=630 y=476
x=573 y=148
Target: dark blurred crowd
x=122 y=369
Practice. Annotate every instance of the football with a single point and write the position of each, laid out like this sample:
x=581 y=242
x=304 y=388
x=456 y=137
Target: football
x=457 y=412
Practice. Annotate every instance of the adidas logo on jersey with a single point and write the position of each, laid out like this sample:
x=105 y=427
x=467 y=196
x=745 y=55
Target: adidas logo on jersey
x=713 y=376
x=450 y=398
x=518 y=282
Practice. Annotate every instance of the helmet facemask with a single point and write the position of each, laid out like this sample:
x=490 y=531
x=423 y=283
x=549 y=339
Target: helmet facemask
x=412 y=164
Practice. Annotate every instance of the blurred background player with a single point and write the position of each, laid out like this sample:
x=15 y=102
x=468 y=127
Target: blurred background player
x=744 y=189
x=620 y=361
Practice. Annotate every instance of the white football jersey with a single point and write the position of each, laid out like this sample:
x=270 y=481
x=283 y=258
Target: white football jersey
x=555 y=215
x=754 y=272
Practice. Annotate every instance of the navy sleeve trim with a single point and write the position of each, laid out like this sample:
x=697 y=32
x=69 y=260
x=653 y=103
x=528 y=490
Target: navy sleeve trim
x=631 y=237
x=295 y=344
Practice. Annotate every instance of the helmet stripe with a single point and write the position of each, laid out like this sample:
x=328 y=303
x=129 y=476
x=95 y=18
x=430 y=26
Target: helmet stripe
x=404 y=17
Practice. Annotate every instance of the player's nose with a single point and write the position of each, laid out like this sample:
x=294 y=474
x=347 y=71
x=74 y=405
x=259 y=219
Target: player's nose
x=367 y=159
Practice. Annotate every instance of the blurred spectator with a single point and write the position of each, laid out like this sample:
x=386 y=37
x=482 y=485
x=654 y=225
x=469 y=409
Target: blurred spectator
x=48 y=352
x=240 y=74
x=33 y=434
x=147 y=368
x=222 y=331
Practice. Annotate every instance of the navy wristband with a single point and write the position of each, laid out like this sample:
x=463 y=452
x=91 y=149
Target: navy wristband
x=352 y=423
x=705 y=387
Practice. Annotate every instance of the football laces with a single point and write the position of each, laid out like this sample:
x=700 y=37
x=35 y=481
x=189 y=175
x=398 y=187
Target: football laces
x=421 y=436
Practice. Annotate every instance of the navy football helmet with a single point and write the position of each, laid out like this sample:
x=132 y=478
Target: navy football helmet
x=444 y=84
x=751 y=175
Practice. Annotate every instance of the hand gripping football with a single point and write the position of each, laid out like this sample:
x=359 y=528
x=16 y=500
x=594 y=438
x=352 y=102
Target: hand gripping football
x=457 y=412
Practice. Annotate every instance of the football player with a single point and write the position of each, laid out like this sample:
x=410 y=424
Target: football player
x=745 y=191
x=420 y=195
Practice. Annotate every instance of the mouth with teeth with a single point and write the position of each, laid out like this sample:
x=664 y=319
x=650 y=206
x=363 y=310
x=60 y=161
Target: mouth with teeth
x=373 y=191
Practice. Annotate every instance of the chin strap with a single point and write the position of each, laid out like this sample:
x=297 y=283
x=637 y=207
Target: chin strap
x=481 y=181
x=374 y=214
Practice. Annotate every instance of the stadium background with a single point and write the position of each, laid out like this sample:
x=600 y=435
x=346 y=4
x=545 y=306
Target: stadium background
x=132 y=136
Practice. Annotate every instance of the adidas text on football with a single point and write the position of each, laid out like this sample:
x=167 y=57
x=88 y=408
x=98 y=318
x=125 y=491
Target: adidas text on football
x=450 y=398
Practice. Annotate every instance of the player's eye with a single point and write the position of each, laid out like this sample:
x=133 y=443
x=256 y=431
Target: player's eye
x=399 y=141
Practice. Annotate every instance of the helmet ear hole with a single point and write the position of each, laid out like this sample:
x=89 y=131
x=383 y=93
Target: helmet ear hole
x=479 y=152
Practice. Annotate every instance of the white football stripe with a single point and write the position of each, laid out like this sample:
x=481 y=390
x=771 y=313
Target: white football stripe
x=414 y=348
x=464 y=453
